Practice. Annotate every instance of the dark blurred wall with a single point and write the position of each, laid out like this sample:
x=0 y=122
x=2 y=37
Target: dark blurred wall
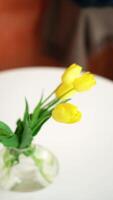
x=87 y=3
x=60 y=20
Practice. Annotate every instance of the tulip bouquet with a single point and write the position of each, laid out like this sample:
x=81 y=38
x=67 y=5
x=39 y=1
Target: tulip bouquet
x=55 y=105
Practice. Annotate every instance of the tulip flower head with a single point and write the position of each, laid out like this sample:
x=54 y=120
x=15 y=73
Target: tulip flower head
x=72 y=81
x=65 y=90
x=85 y=82
x=71 y=73
x=66 y=113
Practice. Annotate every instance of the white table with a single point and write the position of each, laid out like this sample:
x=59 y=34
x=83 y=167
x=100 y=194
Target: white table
x=84 y=150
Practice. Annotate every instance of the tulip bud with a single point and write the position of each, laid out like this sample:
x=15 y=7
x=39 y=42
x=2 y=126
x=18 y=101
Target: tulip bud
x=85 y=82
x=72 y=72
x=65 y=91
x=66 y=113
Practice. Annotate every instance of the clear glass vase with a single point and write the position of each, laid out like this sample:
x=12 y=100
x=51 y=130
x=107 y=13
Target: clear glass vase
x=29 y=169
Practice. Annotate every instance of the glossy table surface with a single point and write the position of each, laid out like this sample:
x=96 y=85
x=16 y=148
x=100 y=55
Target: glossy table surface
x=84 y=150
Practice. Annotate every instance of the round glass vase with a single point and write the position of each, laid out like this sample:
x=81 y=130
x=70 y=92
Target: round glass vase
x=27 y=170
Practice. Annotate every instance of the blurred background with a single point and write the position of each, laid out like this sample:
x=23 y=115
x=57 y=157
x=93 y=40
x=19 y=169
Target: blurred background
x=57 y=33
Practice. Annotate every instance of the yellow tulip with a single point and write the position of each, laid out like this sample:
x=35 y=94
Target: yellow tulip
x=65 y=91
x=71 y=73
x=85 y=82
x=66 y=113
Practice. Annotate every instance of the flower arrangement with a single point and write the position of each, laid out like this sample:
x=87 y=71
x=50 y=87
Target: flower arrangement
x=56 y=105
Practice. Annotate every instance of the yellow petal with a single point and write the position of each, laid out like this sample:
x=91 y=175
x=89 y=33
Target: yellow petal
x=85 y=82
x=66 y=113
x=71 y=73
x=65 y=91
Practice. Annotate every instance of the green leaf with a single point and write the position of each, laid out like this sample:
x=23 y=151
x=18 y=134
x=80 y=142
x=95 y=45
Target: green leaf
x=9 y=141
x=7 y=137
x=39 y=126
x=5 y=129
x=36 y=112
x=26 y=113
x=44 y=116
x=19 y=130
x=26 y=135
x=23 y=130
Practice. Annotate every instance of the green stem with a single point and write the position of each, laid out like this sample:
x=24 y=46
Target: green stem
x=46 y=99
x=55 y=100
x=10 y=158
x=51 y=94
x=39 y=164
